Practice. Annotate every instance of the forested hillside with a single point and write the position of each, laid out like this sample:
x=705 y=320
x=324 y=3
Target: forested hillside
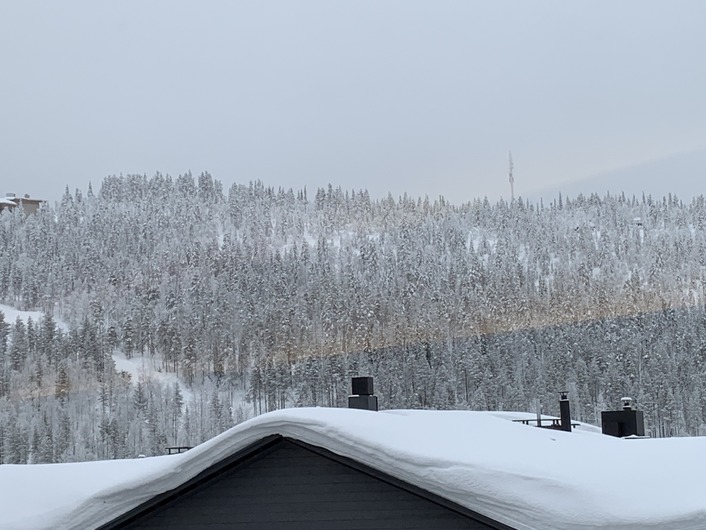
x=259 y=298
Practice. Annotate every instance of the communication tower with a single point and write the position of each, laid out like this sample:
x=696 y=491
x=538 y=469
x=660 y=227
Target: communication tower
x=512 y=180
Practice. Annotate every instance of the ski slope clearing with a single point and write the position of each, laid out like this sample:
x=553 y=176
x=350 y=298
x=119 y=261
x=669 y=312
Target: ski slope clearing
x=525 y=477
x=144 y=369
x=11 y=315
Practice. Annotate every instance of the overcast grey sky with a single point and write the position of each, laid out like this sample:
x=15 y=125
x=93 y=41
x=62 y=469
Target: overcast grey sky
x=400 y=96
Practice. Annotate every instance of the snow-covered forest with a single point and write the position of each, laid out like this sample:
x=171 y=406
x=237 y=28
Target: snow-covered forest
x=236 y=302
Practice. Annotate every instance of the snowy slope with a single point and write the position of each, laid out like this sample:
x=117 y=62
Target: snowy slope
x=143 y=368
x=11 y=315
x=140 y=368
x=526 y=477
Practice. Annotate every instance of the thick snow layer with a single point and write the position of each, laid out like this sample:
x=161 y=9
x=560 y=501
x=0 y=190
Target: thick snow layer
x=526 y=477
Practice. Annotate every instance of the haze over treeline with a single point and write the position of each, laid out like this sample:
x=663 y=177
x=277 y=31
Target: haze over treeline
x=260 y=298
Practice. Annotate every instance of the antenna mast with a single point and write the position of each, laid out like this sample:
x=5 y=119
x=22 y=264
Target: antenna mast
x=512 y=181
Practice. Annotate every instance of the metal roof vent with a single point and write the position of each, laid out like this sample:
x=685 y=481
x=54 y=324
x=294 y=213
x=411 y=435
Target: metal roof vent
x=362 y=397
x=626 y=422
x=563 y=423
x=564 y=412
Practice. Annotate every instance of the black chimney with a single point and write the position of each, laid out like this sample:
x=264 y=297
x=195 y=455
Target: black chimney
x=564 y=412
x=626 y=422
x=363 y=397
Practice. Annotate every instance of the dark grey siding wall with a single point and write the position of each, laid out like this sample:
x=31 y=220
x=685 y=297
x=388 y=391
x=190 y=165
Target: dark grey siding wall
x=292 y=487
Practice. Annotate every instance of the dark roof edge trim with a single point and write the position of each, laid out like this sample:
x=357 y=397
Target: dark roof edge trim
x=252 y=451
x=410 y=488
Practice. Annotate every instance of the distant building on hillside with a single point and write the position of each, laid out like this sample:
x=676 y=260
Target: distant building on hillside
x=6 y=203
x=28 y=204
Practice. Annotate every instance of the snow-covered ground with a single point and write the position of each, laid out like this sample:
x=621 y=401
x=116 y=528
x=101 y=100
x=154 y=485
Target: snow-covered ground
x=145 y=369
x=11 y=315
x=526 y=477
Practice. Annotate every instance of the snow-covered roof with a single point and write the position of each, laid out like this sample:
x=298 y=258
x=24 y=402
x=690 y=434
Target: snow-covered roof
x=7 y=201
x=520 y=475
